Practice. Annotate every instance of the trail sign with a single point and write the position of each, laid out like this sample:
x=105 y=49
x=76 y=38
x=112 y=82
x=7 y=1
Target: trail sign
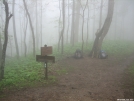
x=40 y=58
x=47 y=50
x=44 y=58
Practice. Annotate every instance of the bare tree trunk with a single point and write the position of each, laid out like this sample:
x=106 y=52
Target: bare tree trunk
x=2 y=66
x=41 y=23
x=14 y=28
x=25 y=31
x=68 y=23
x=94 y=21
x=83 y=23
x=100 y=23
x=76 y=21
x=11 y=45
x=0 y=49
x=60 y=35
x=115 y=31
x=30 y=26
x=1 y=31
x=87 y=26
x=72 y=28
x=36 y=27
x=63 y=17
x=102 y=33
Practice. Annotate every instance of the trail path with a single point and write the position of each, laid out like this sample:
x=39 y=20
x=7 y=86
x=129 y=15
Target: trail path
x=90 y=80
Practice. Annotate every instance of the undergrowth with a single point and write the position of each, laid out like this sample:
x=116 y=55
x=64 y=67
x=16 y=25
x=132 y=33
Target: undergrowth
x=131 y=71
x=26 y=72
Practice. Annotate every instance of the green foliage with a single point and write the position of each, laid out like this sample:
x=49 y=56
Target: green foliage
x=20 y=73
x=118 y=47
x=27 y=72
x=131 y=71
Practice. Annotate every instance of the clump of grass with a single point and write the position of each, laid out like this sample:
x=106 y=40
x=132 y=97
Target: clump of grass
x=22 y=73
x=131 y=71
x=28 y=72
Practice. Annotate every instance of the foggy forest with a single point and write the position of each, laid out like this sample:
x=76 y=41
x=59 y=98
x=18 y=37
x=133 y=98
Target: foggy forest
x=66 y=50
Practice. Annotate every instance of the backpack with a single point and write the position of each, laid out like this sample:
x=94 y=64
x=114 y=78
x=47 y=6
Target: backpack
x=78 y=54
x=103 y=54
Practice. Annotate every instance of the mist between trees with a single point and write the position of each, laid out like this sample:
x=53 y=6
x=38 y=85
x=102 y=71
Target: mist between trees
x=52 y=22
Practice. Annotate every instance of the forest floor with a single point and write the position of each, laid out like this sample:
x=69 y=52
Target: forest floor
x=86 y=79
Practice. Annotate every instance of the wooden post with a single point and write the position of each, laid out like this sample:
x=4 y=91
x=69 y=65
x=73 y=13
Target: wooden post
x=46 y=77
x=45 y=51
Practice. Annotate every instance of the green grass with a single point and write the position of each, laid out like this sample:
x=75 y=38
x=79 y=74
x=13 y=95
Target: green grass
x=26 y=72
x=131 y=71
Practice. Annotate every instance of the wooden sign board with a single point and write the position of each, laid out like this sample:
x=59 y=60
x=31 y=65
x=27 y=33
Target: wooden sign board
x=40 y=58
x=46 y=50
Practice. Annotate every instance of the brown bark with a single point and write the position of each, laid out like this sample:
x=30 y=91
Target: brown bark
x=83 y=24
x=101 y=14
x=59 y=28
x=33 y=37
x=104 y=30
x=72 y=28
x=14 y=29
x=63 y=16
x=87 y=25
x=68 y=23
x=25 y=31
x=77 y=21
x=2 y=66
x=0 y=49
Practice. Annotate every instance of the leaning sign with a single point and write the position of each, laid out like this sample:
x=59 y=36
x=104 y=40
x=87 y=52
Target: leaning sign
x=46 y=50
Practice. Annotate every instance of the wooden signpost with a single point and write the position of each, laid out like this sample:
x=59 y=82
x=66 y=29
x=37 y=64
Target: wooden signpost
x=44 y=58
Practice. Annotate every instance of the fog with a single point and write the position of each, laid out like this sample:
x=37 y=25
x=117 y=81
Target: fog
x=121 y=27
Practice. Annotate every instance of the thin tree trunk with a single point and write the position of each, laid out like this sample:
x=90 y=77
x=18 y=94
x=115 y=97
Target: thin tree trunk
x=100 y=23
x=83 y=24
x=63 y=17
x=25 y=31
x=72 y=28
x=36 y=27
x=0 y=49
x=68 y=23
x=11 y=45
x=76 y=21
x=104 y=30
x=14 y=28
x=2 y=66
x=87 y=26
x=33 y=37
x=1 y=34
x=60 y=35
x=115 y=31
x=41 y=23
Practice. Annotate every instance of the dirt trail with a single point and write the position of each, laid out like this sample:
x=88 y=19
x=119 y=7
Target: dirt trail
x=90 y=80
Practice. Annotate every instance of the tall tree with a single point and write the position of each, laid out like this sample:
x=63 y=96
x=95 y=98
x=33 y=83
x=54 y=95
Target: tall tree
x=7 y=18
x=62 y=32
x=25 y=31
x=59 y=30
x=0 y=48
x=1 y=31
x=72 y=26
x=100 y=23
x=87 y=24
x=83 y=14
x=33 y=37
x=104 y=30
x=76 y=21
x=36 y=26
x=14 y=29
x=68 y=23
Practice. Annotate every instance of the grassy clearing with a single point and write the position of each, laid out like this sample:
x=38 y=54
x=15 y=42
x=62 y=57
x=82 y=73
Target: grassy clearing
x=26 y=72
x=131 y=71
